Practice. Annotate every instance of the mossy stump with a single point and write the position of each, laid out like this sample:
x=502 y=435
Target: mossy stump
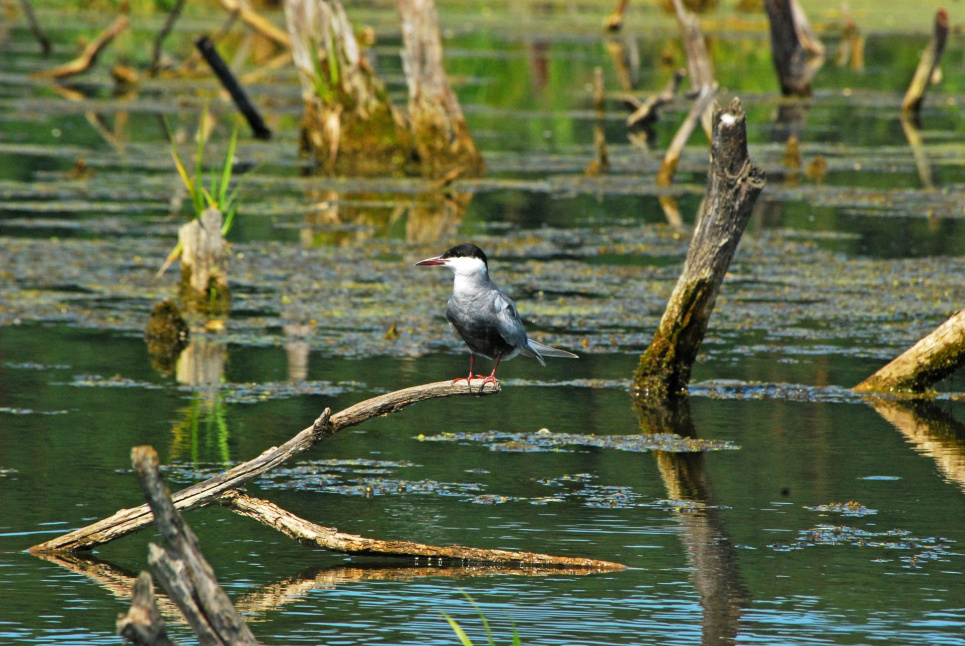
x=166 y=336
x=204 y=266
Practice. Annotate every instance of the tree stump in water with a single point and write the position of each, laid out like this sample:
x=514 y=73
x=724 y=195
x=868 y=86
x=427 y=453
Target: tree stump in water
x=733 y=185
x=787 y=49
x=927 y=66
x=439 y=129
x=204 y=265
x=350 y=126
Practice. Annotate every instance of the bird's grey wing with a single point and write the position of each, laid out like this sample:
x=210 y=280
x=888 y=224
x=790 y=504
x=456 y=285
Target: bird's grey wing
x=511 y=326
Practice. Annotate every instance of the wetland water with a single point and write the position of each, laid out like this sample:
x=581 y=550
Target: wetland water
x=821 y=518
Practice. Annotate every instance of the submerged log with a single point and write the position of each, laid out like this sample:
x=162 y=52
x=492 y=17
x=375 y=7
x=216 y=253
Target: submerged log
x=330 y=538
x=787 y=51
x=202 y=494
x=204 y=265
x=733 y=185
x=349 y=125
x=930 y=59
x=143 y=625
x=442 y=139
x=916 y=370
x=182 y=569
x=89 y=56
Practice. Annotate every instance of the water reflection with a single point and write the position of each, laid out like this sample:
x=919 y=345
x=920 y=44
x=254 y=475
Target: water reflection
x=716 y=574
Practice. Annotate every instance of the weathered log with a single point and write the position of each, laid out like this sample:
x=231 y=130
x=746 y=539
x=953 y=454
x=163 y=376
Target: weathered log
x=182 y=569
x=699 y=66
x=733 y=185
x=924 y=364
x=330 y=538
x=204 y=265
x=787 y=52
x=930 y=59
x=202 y=494
x=230 y=83
x=347 y=108
x=439 y=129
x=35 y=27
x=143 y=625
x=89 y=56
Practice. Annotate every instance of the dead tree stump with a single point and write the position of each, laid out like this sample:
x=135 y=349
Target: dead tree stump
x=932 y=359
x=143 y=624
x=733 y=184
x=442 y=139
x=927 y=66
x=699 y=66
x=350 y=125
x=787 y=50
x=204 y=265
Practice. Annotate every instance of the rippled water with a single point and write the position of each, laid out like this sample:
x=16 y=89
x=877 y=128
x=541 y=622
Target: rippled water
x=819 y=518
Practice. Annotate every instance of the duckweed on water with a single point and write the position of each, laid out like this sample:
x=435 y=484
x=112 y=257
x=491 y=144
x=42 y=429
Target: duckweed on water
x=547 y=441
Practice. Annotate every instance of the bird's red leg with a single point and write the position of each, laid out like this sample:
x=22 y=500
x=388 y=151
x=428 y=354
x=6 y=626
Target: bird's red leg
x=491 y=379
x=468 y=380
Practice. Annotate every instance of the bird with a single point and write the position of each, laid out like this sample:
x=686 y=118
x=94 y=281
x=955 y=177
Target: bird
x=483 y=316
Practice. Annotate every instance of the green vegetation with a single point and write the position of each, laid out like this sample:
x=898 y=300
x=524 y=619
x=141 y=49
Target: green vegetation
x=464 y=638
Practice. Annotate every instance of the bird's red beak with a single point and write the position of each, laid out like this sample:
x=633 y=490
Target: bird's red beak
x=430 y=261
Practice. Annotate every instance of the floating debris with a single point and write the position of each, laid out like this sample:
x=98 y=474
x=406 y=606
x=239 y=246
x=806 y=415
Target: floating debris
x=934 y=548
x=543 y=441
x=850 y=508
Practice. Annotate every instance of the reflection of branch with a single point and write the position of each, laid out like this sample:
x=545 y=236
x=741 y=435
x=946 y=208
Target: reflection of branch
x=931 y=430
x=917 y=151
x=205 y=493
x=84 y=62
x=331 y=539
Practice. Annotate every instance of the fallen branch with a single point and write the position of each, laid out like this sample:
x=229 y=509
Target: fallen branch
x=127 y=521
x=671 y=158
x=330 y=538
x=89 y=56
x=182 y=569
x=230 y=83
x=927 y=66
x=932 y=359
x=733 y=185
x=645 y=112
x=255 y=21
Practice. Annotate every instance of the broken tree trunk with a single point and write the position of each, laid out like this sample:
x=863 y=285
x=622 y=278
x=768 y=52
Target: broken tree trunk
x=330 y=538
x=733 y=184
x=787 y=51
x=932 y=359
x=927 y=66
x=442 y=139
x=204 y=265
x=143 y=624
x=182 y=569
x=350 y=125
x=202 y=494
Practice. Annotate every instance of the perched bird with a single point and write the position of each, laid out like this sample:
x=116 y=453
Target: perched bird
x=484 y=317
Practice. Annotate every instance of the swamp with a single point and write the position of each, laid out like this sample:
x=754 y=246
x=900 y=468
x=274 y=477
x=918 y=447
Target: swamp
x=771 y=503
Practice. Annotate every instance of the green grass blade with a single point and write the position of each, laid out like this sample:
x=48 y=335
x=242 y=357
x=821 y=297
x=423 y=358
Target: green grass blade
x=460 y=633
x=226 y=171
x=489 y=634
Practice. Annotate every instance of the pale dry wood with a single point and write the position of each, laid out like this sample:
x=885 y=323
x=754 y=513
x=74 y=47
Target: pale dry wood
x=733 y=185
x=646 y=111
x=331 y=539
x=203 y=253
x=806 y=35
x=183 y=571
x=257 y=22
x=143 y=625
x=932 y=359
x=127 y=521
x=930 y=59
x=671 y=158
x=700 y=69
x=89 y=56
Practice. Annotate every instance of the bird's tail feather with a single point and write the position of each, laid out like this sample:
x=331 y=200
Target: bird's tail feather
x=541 y=350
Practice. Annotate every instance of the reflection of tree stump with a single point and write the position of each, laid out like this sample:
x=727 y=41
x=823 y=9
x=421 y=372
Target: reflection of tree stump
x=439 y=129
x=166 y=335
x=204 y=265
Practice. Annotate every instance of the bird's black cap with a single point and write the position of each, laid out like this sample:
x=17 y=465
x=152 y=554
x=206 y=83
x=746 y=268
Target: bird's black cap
x=467 y=250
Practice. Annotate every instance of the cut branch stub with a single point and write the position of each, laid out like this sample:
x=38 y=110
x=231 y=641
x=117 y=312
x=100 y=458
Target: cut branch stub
x=204 y=265
x=442 y=139
x=733 y=185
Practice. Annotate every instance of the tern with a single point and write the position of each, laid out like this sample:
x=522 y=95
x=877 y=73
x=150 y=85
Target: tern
x=482 y=316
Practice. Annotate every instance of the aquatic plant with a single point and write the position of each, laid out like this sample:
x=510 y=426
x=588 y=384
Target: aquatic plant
x=464 y=638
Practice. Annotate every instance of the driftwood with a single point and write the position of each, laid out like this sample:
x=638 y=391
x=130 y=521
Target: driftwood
x=204 y=265
x=89 y=56
x=927 y=66
x=182 y=569
x=143 y=625
x=439 y=130
x=733 y=185
x=787 y=51
x=127 y=521
x=932 y=359
x=330 y=538
x=35 y=27
x=230 y=83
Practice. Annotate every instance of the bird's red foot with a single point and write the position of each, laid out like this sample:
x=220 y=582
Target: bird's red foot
x=491 y=379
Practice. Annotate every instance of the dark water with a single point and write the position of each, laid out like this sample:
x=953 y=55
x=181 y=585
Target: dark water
x=824 y=519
